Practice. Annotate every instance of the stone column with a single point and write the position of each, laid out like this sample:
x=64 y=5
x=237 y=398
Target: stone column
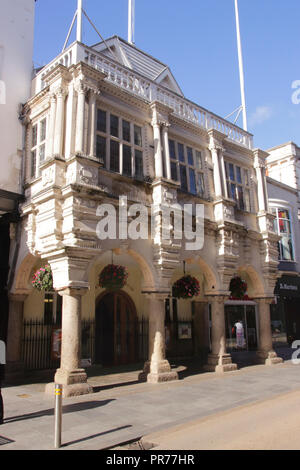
x=157 y=151
x=217 y=171
x=218 y=360
x=15 y=365
x=165 y=134
x=79 y=144
x=70 y=375
x=51 y=127
x=260 y=168
x=157 y=369
x=59 y=122
x=93 y=110
x=266 y=354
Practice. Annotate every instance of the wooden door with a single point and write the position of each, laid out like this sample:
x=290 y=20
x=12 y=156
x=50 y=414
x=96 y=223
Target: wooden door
x=125 y=330
x=116 y=330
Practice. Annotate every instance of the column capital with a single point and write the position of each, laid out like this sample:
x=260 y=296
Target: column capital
x=263 y=300
x=156 y=295
x=215 y=146
x=60 y=92
x=17 y=297
x=73 y=291
x=220 y=298
x=160 y=113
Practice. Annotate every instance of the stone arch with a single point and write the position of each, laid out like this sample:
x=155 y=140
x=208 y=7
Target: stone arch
x=210 y=278
x=255 y=283
x=22 y=278
x=147 y=270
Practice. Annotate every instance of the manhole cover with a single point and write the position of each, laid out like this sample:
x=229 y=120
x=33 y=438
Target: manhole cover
x=5 y=440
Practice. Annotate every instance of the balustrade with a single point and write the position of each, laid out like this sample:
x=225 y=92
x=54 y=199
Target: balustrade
x=150 y=91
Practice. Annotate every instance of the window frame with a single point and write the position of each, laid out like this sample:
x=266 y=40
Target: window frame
x=275 y=211
x=122 y=143
x=189 y=163
x=241 y=183
x=35 y=147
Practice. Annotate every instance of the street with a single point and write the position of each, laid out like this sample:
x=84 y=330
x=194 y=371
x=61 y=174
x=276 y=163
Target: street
x=254 y=407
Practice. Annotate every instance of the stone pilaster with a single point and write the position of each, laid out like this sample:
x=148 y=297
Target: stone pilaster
x=165 y=136
x=51 y=126
x=218 y=360
x=59 y=122
x=80 y=120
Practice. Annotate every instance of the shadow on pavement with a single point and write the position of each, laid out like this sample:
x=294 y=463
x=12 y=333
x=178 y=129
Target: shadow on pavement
x=73 y=408
x=96 y=435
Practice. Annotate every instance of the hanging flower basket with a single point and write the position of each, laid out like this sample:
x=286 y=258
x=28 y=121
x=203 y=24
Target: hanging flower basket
x=42 y=279
x=238 y=289
x=186 y=287
x=113 y=277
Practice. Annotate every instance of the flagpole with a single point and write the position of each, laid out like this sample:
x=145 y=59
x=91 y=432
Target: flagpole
x=131 y=21
x=241 y=66
x=79 y=21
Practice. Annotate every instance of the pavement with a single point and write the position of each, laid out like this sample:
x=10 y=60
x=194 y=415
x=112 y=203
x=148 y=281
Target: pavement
x=272 y=424
x=122 y=410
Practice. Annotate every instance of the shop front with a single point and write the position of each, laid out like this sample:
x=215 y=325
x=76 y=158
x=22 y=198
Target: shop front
x=285 y=312
x=241 y=326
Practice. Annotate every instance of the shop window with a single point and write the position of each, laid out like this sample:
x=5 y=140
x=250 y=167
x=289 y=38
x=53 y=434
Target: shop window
x=282 y=226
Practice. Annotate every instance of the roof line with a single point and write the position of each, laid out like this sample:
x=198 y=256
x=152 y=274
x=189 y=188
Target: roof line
x=131 y=45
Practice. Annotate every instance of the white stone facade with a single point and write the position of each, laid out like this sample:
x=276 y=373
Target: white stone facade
x=100 y=127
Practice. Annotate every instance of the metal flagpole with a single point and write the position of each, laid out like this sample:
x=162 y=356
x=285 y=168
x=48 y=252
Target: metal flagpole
x=79 y=21
x=131 y=21
x=241 y=67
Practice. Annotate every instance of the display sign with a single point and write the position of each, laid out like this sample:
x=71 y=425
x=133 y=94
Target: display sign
x=56 y=343
x=184 y=330
x=288 y=286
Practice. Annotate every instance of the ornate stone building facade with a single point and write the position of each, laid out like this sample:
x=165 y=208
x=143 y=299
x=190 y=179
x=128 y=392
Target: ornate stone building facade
x=110 y=121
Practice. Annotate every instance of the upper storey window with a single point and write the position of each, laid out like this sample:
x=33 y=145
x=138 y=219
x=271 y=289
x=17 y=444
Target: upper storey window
x=238 y=185
x=119 y=144
x=38 y=146
x=187 y=168
x=284 y=229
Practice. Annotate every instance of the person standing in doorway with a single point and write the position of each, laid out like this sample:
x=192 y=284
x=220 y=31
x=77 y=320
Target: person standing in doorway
x=240 y=335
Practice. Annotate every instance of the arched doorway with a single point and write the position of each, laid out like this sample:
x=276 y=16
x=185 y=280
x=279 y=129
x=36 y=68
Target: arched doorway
x=116 y=330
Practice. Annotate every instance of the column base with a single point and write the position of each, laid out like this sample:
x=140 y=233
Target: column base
x=74 y=383
x=269 y=358
x=157 y=373
x=219 y=364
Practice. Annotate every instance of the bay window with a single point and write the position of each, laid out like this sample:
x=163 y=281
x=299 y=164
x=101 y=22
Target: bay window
x=38 y=146
x=238 y=185
x=284 y=229
x=119 y=144
x=187 y=168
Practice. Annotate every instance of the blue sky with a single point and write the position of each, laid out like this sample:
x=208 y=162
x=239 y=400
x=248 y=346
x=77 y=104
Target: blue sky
x=197 y=39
